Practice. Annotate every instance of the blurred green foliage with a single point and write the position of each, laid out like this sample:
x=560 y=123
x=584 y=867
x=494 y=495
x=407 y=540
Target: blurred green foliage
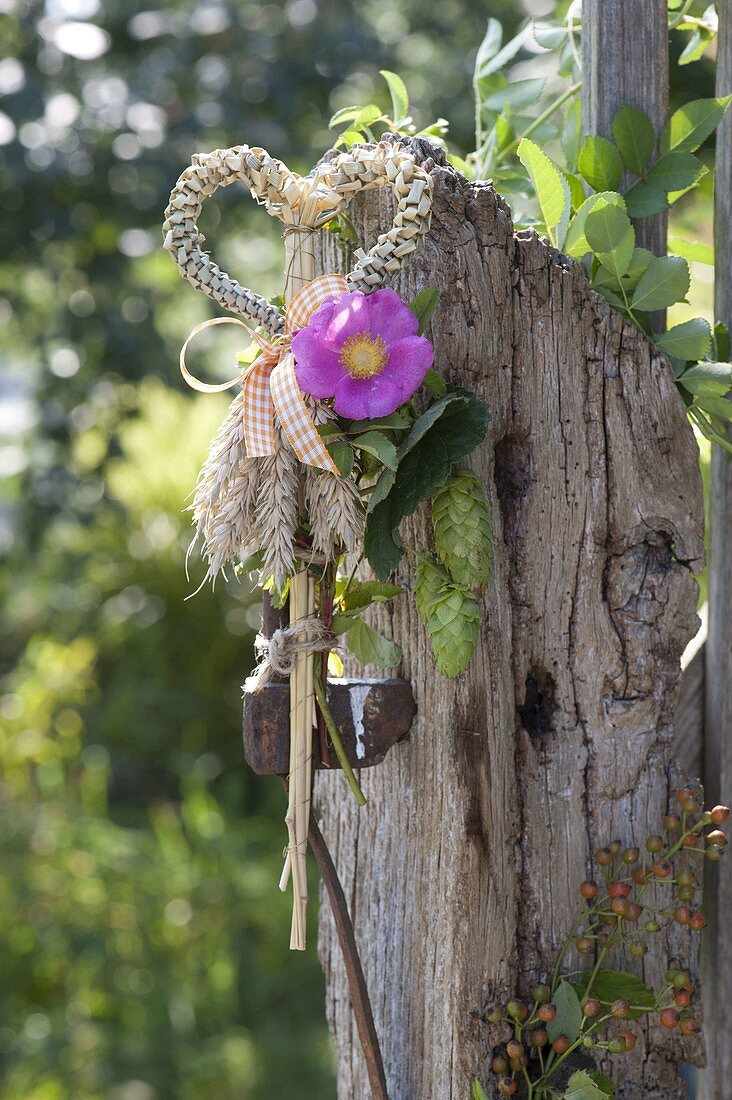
x=143 y=942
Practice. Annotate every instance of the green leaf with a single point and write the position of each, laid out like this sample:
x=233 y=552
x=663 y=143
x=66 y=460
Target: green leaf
x=600 y=163
x=676 y=171
x=690 y=340
x=645 y=199
x=611 y=237
x=395 y=422
x=363 y=593
x=576 y=190
x=479 y=1092
x=488 y=48
x=447 y=432
x=581 y=1087
x=639 y=262
x=572 y=134
x=342 y=454
x=349 y=138
x=463 y=530
x=695 y=48
x=435 y=384
x=609 y=985
x=692 y=124
x=576 y=243
x=708 y=379
x=371 y=648
x=491 y=58
x=399 y=95
x=423 y=305
x=346 y=114
x=384 y=485
x=720 y=407
x=367 y=116
x=451 y=616
x=519 y=93
x=665 y=281
x=603 y=1083
x=697 y=251
x=568 y=1019
x=551 y=188
x=721 y=342
x=635 y=137
x=250 y=564
x=376 y=444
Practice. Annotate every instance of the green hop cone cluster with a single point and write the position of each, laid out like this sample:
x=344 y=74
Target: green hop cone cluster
x=451 y=615
x=462 y=526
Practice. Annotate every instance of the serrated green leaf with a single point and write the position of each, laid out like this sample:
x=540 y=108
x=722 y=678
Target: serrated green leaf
x=635 y=137
x=611 y=237
x=696 y=46
x=371 y=648
x=551 y=189
x=427 y=419
x=610 y=985
x=349 y=138
x=395 y=422
x=399 y=95
x=491 y=58
x=568 y=1019
x=384 y=485
x=376 y=444
x=603 y=1083
x=462 y=529
x=576 y=191
x=581 y=1087
x=639 y=262
x=720 y=407
x=676 y=171
x=342 y=454
x=690 y=340
x=665 y=281
x=576 y=243
x=697 y=251
x=645 y=199
x=423 y=305
x=382 y=543
x=692 y=124
x=600 y=163
x=479 y=1092
x=708 y=379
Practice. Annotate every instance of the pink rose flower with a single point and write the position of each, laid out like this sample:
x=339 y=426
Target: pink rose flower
x=364 y=351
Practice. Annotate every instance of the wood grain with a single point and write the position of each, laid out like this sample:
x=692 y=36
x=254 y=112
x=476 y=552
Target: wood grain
x=462 y=871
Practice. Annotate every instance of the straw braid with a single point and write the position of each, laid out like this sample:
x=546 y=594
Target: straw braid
x=298 y=201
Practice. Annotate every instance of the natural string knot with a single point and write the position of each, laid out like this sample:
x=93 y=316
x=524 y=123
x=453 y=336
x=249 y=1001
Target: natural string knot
x=276 y=656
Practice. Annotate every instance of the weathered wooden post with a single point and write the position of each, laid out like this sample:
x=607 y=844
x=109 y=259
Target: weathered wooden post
x=717 y=748
x=462 y=871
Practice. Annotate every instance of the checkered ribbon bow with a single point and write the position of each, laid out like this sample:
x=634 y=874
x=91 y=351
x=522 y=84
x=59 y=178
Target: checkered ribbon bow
x=270 y=384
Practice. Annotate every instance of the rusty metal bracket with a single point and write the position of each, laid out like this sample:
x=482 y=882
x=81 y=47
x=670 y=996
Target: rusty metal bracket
x=371 y=716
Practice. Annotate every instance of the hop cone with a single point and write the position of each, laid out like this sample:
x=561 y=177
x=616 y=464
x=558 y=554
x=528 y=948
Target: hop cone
x=462 y=526
x=451 y=616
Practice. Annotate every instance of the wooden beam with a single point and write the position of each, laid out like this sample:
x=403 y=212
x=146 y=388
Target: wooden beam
x=625 y=60
x=718 y=693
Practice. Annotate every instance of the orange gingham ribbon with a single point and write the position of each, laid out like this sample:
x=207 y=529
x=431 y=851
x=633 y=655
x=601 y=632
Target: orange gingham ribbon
x=270 y=384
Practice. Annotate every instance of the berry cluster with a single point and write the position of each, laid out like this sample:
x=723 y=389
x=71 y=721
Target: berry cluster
x=622 y=912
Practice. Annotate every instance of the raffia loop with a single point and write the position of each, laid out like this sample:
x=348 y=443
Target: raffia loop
x=277 y=656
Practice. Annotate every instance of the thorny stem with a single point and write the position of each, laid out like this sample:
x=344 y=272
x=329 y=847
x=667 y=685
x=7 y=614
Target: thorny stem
x=336 y=739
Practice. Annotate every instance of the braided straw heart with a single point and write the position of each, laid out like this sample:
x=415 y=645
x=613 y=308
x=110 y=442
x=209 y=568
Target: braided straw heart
x=244 y=503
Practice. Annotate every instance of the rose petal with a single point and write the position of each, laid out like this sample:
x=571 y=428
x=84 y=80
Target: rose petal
x=349 y=317
x=317 y=369
x=366 y=398
x=389 y=317
x=409 y=360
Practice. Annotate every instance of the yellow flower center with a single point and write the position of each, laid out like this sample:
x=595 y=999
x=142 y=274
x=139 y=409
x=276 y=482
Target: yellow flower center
x=363 y=355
